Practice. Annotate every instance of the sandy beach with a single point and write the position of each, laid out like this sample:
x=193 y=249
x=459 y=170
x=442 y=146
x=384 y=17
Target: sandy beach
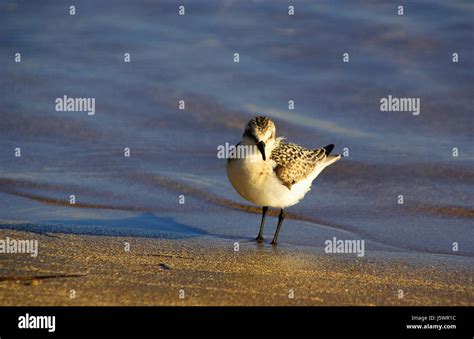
x=210 y=272
x=144 y=167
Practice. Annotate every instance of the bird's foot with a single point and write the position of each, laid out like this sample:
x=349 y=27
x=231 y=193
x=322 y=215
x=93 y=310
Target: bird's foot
x=259 y=238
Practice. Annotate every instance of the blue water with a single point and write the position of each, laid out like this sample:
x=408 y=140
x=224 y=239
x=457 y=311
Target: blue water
x=282 y=57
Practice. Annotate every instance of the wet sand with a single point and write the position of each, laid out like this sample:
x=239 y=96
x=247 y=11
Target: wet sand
x=210 y=272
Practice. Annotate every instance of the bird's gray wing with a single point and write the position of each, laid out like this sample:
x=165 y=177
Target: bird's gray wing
x=294 y=163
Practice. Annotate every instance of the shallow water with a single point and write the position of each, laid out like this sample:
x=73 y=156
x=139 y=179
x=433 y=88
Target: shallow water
x=173 y=151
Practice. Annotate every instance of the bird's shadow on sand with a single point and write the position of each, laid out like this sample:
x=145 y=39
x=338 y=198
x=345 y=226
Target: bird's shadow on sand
x=146 y=225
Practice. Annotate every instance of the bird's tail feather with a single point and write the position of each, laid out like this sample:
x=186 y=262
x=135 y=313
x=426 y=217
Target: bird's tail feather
x=328 y=148
x=332 y=159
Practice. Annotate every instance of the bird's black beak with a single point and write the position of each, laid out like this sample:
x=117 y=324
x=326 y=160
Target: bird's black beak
x=261 y=148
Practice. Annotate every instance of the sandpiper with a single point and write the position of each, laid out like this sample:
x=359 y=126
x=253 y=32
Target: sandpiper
x=279 y=174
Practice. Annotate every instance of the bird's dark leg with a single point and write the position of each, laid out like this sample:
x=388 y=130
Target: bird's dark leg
x=260 y=233
x=280 y=221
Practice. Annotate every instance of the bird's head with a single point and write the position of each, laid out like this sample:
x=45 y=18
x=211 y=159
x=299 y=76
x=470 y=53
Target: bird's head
x=260 y=131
